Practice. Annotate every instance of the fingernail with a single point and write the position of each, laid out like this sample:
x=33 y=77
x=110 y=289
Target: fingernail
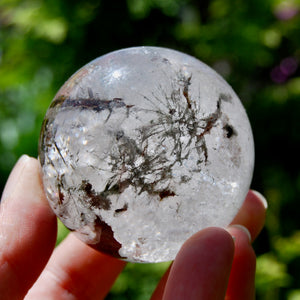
x=261 y=198
x=243 y=228
x=14 y=177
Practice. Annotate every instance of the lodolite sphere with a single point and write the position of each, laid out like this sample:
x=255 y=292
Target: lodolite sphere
x=142 y=148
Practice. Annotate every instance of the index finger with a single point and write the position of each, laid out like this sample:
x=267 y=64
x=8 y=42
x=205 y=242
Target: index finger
x=252 y=214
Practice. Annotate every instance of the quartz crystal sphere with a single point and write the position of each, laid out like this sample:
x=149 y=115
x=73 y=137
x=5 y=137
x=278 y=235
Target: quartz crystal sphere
x=142 y=148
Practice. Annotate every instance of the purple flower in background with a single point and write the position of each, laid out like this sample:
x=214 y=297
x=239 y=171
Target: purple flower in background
x=287 y=67
x=286 y=11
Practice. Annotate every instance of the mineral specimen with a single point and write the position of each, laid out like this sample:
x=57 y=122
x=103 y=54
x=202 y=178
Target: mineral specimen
x=143 y=147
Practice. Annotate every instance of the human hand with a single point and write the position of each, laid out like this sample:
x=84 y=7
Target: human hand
x=209 y=265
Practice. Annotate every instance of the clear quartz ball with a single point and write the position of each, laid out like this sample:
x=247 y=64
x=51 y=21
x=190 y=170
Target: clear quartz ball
x=143 y=147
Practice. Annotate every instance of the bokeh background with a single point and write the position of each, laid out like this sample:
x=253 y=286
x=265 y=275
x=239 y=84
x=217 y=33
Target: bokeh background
x=254 y=45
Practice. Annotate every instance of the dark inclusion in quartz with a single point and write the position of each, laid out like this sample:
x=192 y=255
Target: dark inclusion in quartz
x=143 y=147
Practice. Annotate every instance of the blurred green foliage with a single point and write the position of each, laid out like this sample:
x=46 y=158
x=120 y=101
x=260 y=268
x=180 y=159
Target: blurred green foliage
x=254 y=44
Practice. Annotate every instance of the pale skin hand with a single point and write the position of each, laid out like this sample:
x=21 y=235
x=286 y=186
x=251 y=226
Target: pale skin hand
x=211 y=264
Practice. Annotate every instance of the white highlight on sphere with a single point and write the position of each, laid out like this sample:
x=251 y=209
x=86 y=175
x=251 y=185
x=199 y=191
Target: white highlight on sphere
x=142 y=148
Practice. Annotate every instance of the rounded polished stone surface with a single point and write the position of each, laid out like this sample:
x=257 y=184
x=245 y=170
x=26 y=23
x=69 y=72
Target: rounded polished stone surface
x=143 y=147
